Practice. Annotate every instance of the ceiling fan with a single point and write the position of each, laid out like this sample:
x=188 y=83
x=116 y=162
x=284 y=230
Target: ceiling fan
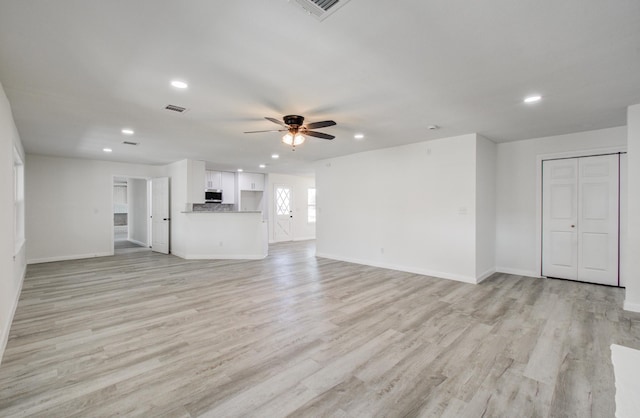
x=295 y=129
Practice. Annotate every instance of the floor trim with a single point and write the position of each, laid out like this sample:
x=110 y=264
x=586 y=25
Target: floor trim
x=518 y=272
x=424 y=272
x=68 y=257
x=631 y=307
x=4 y=338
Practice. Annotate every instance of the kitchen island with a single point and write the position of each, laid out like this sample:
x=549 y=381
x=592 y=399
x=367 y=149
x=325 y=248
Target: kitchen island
x=204 y=235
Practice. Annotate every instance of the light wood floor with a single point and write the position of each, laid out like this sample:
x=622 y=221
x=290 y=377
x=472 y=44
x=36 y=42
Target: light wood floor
x=153 y=335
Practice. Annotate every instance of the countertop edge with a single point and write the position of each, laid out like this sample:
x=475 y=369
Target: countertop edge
x=222 y=211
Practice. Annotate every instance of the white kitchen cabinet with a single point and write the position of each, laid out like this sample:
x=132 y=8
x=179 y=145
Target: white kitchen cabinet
x=213 y=180
x=251 y=181
x=228 y=186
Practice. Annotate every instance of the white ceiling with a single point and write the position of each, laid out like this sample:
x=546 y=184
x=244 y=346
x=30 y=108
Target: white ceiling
x=77 y=72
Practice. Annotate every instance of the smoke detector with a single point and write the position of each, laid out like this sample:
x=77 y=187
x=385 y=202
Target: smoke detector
x=433 y=127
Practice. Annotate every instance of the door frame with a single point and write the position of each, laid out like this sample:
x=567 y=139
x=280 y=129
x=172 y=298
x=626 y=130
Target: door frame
x=112 y=235
x=168 y=213
x=556 y=156
x=274 y=211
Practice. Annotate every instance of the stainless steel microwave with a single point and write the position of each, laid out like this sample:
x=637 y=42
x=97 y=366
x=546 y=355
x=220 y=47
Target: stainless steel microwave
x=213 y=196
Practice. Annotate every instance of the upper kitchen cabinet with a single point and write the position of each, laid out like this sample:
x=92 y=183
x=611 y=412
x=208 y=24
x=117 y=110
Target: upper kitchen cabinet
x=251 y=181
x=213 y=180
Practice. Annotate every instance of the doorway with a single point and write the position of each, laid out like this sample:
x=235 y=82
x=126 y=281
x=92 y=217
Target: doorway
x=282 y=228
x=130 y=214
x=581 y=218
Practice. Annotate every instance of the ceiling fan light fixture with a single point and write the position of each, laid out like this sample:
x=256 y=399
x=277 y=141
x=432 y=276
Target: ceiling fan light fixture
x=296 y=132
x=293 y=140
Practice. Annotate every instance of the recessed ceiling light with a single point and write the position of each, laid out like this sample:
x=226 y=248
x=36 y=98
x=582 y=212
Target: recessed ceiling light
x=262 y=166
x=532 y=99
x=275 y=156
x=358 y=136
x=179 y=84
x=127 y=131
x=240 y=170
x=107 y=149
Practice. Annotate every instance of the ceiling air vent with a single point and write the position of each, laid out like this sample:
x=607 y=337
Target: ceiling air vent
x=130 y=143
x=175 y=108
x=321 y=9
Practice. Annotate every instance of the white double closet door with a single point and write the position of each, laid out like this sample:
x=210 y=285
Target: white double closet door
x=580 y=219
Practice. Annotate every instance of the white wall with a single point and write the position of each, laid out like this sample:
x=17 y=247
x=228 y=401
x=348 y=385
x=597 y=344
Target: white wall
x=178 y=173
x=302 y=230
x=485 y=208
x=409 y=208
x=12 y=259
x=138 y=211
x=516 y=217
x=69 y=205
x=626 y=368
x=224 y=235
x=632 y=271
x=186 y=187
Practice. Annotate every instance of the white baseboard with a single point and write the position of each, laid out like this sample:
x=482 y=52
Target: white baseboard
x=632 y=307
x=423 y=272
x=6 y=328
x=485 y=275
x=518 y=272
x=189 y=256
x=135 y=241
x=223 y=256
x=68 y=257
x=295 y=239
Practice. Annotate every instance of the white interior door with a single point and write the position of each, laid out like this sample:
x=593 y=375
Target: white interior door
x=559 y=218
x=598 y=219
x=160 y=219
x=282 y=200
x=580 y=219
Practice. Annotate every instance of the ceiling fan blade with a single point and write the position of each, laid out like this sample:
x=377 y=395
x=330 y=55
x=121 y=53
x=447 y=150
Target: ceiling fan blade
x=323 y=124
x=317 y=134
x=273 y=130
x=276 y=121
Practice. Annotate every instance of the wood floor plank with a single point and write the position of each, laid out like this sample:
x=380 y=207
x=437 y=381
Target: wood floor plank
x=145 y=334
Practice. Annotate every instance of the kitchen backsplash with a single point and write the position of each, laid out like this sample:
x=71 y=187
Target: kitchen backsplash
x=212 y=207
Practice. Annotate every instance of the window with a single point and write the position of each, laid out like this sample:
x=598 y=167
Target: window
x=18 y=201
x=311 y=206
x=283 y=201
